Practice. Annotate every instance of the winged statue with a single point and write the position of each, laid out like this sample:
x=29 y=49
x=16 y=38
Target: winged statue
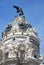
x=19 y=10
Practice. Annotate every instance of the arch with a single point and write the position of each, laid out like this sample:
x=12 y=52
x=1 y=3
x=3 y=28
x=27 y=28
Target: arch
x=21 y=47
x=35 y=53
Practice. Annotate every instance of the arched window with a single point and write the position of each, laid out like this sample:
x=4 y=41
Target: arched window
x=6 y=55
x=35 y=56
x=22 y=55
x=8 y=28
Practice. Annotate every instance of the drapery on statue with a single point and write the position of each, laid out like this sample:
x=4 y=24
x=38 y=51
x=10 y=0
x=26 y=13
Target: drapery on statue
x=19 y=10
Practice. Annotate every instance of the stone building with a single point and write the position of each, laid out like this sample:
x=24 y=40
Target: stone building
x=20 y=44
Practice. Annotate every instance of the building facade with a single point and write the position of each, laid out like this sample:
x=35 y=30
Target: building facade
x=20 y=44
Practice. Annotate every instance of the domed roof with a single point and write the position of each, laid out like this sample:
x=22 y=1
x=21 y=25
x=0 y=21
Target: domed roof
x=21 y=24
x=18 y=25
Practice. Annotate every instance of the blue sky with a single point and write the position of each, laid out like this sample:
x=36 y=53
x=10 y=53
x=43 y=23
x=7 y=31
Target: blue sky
x=33 y=11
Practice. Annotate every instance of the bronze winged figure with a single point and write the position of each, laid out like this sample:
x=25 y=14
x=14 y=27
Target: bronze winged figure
x=19 y=10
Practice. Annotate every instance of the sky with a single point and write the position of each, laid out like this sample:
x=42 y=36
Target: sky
x=33 y=11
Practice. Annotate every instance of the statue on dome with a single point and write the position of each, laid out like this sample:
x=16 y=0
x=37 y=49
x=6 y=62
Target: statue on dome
x=19 y=10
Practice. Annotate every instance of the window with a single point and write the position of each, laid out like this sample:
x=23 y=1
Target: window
x=29 y=25
x=22 y=55
x=6 y=55
x=35 y=56
x=22 y=25
x=13 y=38
x=8 y=28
